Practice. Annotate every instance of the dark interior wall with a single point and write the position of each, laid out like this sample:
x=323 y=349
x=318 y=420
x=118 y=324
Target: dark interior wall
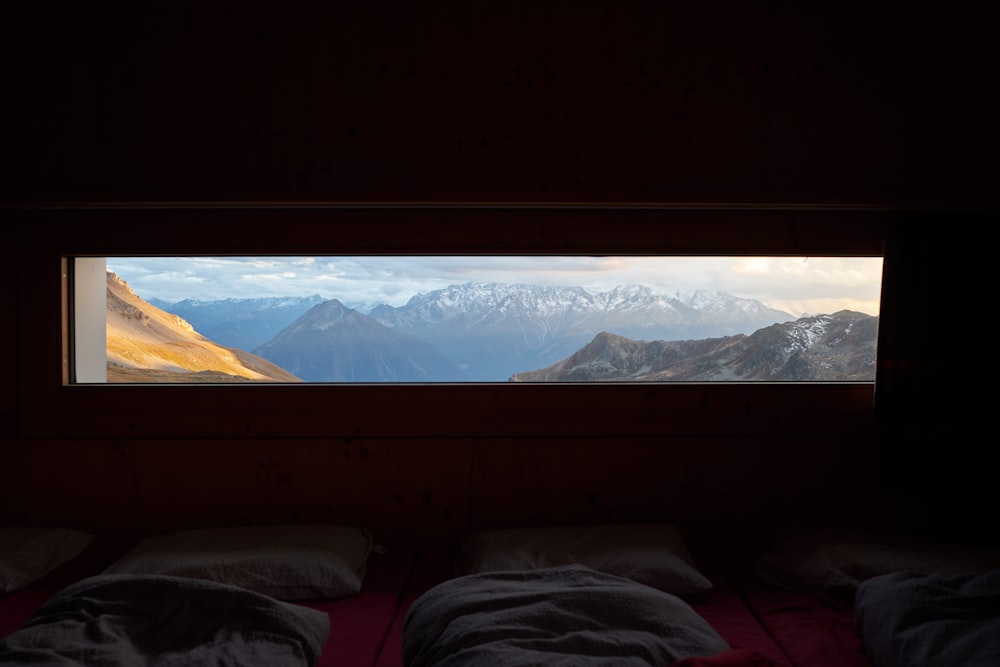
x=776 y=102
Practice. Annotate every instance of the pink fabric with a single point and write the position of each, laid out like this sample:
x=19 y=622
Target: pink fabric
x=360 y=624
x=812 y=628
x=725 y=610
x=431 y=567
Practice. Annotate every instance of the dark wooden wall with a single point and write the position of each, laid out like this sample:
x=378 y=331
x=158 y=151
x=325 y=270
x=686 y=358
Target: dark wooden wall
x=551 y=99
x=584 y=102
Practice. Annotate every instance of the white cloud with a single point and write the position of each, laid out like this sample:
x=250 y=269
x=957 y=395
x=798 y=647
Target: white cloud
x=795 y=284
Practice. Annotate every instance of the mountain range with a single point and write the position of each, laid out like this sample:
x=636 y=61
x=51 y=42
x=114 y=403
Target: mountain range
x=333 y=343
x=489 y=331
x=242 y=323
x=486 y=332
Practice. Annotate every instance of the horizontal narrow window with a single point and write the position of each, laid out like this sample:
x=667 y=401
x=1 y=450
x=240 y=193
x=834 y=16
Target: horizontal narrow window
x=474 y=319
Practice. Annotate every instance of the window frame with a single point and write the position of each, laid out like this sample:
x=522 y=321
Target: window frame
x=48 y=406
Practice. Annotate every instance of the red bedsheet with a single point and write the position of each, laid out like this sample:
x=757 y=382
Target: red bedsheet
x=724 y=609
x=361 y=624
x=431 y=566
x=812 y=629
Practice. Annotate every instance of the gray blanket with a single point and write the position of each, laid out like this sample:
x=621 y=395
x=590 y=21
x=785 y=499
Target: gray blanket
x=567 y=615
x=161 y=621
x=930 y=620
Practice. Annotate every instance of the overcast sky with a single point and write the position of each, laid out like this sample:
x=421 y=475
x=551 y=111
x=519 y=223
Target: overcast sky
x=798 y=285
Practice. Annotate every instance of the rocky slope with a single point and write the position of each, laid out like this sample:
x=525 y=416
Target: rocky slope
x=147 y=344
x=824 y=348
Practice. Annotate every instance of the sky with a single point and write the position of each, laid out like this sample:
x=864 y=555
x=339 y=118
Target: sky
x=797 y=285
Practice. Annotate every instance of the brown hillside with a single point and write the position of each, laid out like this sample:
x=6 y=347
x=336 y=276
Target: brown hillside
x=146 y=344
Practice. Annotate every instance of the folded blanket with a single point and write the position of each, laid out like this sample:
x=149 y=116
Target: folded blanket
x=565 y=615
x=162 y=621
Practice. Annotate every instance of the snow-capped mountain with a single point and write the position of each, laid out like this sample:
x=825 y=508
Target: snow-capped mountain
x=827 y=348
x=489 y=331
x=492 y=329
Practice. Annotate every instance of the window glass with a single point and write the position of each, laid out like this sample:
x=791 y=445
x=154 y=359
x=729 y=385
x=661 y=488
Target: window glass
x=377 y=319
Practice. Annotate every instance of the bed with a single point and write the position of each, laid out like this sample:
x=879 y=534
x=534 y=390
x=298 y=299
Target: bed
x=558 y=615
x=118 y=620
x=810 y=627
x=583 y=595
x=366 y=627
x=832 y=597
x=287 y=576
x=809 y=599
x=806 y=597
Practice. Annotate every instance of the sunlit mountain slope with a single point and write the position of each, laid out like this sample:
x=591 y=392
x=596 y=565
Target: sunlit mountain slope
x=146 y=344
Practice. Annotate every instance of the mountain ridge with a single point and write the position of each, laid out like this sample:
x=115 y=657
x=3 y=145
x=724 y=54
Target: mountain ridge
x=147 y=344
x=333 y=343
x=487 y=331
x=836 y=347
x=492 y=328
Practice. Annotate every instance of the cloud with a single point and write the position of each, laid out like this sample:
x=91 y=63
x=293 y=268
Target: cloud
x=797 y=285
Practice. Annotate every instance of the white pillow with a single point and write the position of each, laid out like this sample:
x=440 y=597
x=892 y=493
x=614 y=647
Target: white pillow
x=654 y=554
x=28 y=553
x=284 y=562
x=820 y=558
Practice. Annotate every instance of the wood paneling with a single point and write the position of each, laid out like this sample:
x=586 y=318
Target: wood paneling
x=89 y=485
x=572 y=99
x=11 y=483
x=262 y=227
x=408 y=488
x=454 y=410
x=8 y=332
